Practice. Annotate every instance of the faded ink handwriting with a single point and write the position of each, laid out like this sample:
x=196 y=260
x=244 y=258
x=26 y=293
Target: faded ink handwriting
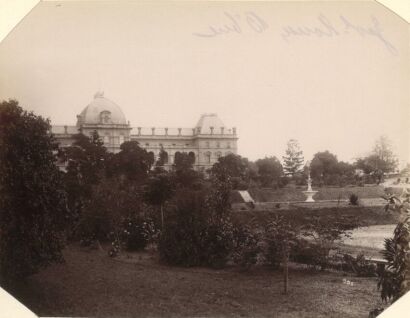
x=325 y=28
x=235 y=24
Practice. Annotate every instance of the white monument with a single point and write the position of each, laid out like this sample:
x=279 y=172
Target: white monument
x=309 y=193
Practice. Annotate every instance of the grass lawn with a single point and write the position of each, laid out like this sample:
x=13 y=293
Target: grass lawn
x=324 y=193
x=92 y=284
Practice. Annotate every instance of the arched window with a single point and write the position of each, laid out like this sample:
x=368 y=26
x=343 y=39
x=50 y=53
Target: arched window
x=106 y=139
x=207 y=157
x=164 y=155
x=218 y=154
x=192 y=156
x=218 y=144
x=228 y=145
x=121 y=139
x=176 y=156
x=105 y=117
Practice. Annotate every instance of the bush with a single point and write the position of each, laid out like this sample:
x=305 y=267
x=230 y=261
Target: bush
x=197 y=232
x=360 y=266
x=179 y=240
x=353 y=199
x=246 y=247
x=311 y=254
x=137 y=232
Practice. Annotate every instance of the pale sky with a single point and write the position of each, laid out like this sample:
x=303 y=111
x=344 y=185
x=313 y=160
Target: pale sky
x=337 y=89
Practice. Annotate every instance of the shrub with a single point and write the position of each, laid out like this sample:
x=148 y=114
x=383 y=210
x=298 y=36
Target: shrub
x=198 y=231
x=353 y=199
x=312 y=254
x=246 y=246
x=137 y=232
x=360 y=266
x=394 y=281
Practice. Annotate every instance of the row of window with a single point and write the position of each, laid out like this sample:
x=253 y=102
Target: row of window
x=207 y=145
x=207 y=156
x=116 y=140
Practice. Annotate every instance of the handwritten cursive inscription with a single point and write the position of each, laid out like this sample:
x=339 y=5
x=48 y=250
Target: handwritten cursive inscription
x=235 y=24
x=342 y=27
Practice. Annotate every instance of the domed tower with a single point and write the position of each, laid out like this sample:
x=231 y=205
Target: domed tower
x=213 y=140
x=107 y=118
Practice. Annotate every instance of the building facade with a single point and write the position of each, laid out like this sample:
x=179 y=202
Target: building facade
x=205 y=142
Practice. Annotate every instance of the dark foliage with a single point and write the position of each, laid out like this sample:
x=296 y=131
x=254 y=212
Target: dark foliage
x=360 y=265
x=353 y=199
x=269 y=171
x=112 y=200
x=33 y=204
x=246 y=246
x=198 y=230
x=394 y=280
x=132 y=162
x=236 y=167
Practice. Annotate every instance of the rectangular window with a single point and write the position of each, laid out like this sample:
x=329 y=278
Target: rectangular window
x=115 y=140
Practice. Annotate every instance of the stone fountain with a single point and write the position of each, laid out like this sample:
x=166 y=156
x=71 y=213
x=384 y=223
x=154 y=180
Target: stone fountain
x=309 y=193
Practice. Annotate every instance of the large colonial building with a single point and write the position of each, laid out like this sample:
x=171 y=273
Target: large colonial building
x=206 y=142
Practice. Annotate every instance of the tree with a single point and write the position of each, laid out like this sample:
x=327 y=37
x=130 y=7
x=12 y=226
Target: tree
x=293 y=160
x=183 y=161
x=283 y=235
x=132 y=162
x=159 y=190
x=324 y=167
x=236 y=167
x=269 y=170
x=185 y=175
x=112 y=201
x=381 y=160
x=386 y=159
x=33 y=205
x=162 y=158
x=198 y=230
x=86 y=162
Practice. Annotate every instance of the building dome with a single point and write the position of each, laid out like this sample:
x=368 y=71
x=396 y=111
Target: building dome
x=209 y=123
x=101 y=111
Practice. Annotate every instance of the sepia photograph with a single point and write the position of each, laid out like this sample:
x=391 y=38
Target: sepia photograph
x=204 y=159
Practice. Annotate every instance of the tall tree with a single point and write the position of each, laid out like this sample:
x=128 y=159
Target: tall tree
x=293 y=159
x=33 y=209
x=269 y=170
x=185 y=175
x=132 y=162
x=385 y=158
x=324 y=164
x=159 y=190
x=86 y=162
x=236 y=167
